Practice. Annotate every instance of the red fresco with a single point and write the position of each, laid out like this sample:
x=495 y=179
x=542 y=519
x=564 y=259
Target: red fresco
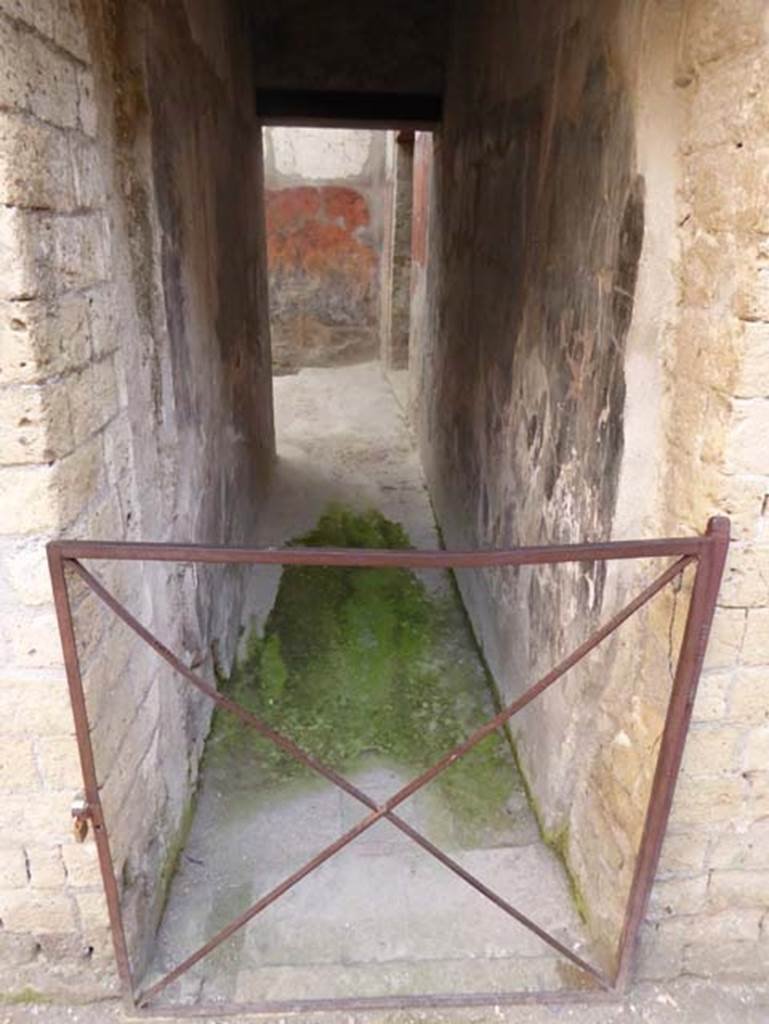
x=347 y=205
x=315 y=231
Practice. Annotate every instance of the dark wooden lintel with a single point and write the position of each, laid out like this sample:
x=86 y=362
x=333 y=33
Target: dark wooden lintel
x=307 y=108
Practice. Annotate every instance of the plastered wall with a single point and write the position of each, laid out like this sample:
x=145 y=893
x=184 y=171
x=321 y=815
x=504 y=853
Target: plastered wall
x=588 y=361
x=135 y=403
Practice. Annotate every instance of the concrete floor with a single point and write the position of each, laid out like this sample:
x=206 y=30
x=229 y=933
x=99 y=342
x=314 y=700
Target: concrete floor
x=341 y=436
x=382 y=917
x=688 y=1001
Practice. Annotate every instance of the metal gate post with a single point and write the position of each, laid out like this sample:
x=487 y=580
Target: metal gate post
x=93 y=809
x=702 y=606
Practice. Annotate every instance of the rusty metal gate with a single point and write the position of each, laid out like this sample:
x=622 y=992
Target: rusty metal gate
x=707 y=554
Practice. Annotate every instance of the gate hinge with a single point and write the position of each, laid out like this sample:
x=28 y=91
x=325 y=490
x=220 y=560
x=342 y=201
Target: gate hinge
x=81 y=814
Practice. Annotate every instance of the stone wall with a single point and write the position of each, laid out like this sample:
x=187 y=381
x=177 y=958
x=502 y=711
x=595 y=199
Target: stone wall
x=588 y=361
x=712 y=904
x=396 y=255
x=134 y=404
x=325 y=202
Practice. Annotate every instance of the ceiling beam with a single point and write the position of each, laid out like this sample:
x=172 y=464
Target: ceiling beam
x=312 y=108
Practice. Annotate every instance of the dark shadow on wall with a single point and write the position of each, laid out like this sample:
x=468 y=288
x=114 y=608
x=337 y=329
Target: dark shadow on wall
x=522 y=308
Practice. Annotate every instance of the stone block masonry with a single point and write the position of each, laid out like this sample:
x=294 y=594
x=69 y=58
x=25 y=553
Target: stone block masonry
x=58 y=399
x=717 y=414
x=128 y=362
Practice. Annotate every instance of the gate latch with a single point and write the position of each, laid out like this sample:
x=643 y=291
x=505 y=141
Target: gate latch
x=81 y=813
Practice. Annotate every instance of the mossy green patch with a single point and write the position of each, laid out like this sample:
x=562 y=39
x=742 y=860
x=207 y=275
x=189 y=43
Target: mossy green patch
x=172 y=855
x=559 y=844
x=24 y=997
x=558 y=841
x=356 y=662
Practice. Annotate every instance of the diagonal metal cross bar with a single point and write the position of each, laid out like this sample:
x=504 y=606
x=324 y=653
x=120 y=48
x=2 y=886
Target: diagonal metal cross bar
x=385 y=810
x=291 y=748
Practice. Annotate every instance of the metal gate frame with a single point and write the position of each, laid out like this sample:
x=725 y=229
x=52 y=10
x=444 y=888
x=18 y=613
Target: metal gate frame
x=706 y=553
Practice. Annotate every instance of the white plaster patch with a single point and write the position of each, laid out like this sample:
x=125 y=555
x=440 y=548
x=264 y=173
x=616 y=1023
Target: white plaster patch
x=320 y=153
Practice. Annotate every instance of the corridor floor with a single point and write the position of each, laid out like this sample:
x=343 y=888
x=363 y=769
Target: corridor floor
x=382 y=917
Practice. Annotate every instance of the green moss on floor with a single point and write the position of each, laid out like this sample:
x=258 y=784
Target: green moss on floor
x=356 y=662
x=173 y=853
x=24 y=997
x=558 y=841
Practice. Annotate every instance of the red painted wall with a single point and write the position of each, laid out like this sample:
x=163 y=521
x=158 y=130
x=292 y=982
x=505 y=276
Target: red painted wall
x=324 y=270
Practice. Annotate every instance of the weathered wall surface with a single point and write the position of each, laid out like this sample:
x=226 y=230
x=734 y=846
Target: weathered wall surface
x=537 y=212
x=396 y=253
x=558 y=337
x=134 y=403
x=325 y=207
x=712 y=908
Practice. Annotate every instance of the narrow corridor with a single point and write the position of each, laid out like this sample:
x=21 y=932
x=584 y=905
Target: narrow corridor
x=382 y=917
